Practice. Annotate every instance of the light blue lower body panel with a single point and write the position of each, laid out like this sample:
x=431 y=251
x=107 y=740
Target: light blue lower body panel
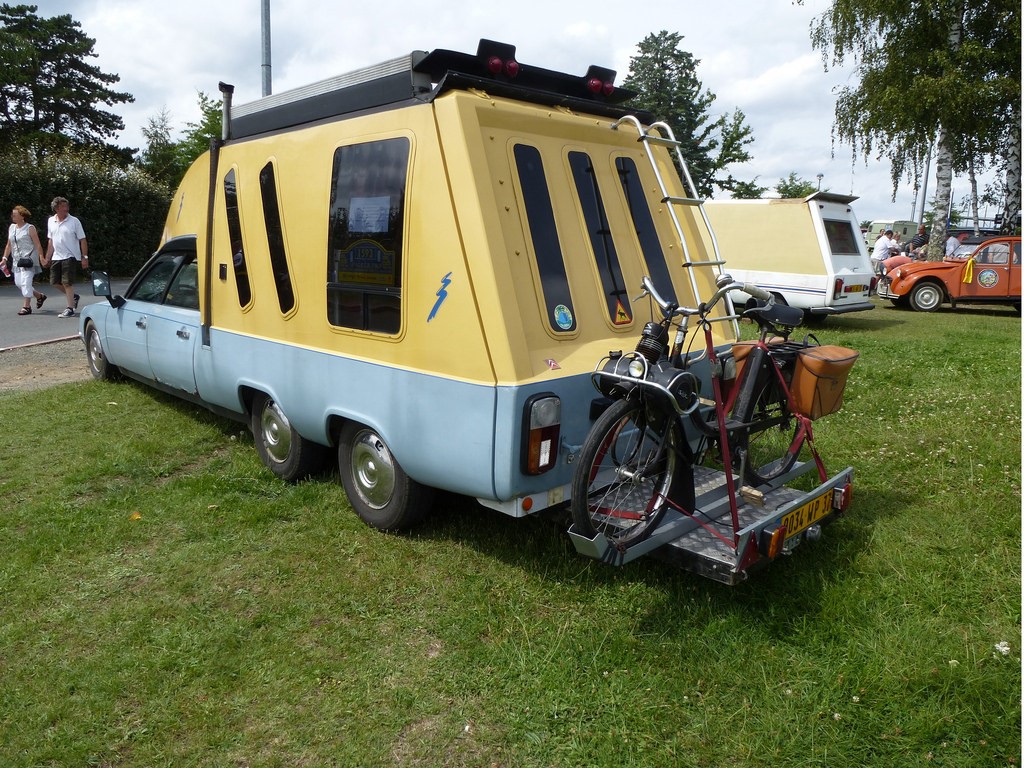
x=457 y=436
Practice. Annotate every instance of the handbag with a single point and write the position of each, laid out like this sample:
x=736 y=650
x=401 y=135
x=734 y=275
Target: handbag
x=25 y=263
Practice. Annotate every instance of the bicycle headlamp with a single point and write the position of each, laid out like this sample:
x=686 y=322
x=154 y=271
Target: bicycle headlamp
x=636 y=368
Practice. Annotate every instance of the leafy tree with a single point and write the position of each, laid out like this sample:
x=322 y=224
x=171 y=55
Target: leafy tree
x=49 y=93
x=198 y=134
x=942 y=70
x=665 y=78
x=794 y=187
x=160 y=156
x=748 y=190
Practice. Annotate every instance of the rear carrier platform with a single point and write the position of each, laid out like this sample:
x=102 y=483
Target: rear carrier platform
x=772 y=520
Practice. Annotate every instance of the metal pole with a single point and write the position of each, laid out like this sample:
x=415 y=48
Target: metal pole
x=266 y=47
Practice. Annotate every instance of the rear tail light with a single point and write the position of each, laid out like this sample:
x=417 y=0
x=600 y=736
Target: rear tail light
x=843 y=497
x=542 y=421
x=837 y=291
x=772 y=541
x=873 y=289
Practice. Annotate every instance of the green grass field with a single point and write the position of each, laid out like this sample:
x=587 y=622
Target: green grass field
x=164 y=601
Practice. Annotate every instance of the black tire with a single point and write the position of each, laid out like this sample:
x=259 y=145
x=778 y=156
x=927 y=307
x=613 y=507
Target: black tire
x=100 y=368
x=901 y=303
x=926 y=297
x=770 y=452
x=630 y=464
x=376 y=485
x=282 y=450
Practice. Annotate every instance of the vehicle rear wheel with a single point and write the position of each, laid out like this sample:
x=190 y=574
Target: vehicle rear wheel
x=926 y=297
x=282 y=450
x=630 y=466
x=772 y=451
x=99 y=366
x=376 y=485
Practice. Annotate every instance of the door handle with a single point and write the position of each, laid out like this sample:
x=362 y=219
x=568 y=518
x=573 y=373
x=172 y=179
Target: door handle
x=182 y=333
x=141 y=323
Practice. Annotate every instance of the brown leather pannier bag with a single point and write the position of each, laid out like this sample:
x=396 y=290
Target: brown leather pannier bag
x=819 y=379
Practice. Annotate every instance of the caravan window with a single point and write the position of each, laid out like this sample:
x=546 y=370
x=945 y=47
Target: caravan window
x=275 y=239
x=541 y=217
x=607 y=259
x=842 y=240
x=646 y=233
x=364 y=241
x=235 y=235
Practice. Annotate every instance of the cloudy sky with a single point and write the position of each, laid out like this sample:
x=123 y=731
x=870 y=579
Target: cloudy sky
x=754 y=54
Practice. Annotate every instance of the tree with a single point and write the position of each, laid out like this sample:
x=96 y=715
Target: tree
x=665 y=78
x=942 y=70
x=49 y=93
x=794 y=187
x=748 y=190
x=198 y=134
x=159 y=158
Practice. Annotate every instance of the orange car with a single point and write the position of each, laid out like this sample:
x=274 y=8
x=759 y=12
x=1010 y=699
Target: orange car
x=990 y=274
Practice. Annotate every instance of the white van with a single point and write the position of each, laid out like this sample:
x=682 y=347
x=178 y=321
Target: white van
x=905 y=229
x=808 y=253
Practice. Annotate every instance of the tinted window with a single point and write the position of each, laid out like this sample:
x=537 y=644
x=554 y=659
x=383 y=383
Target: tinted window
x=235 y=235
x=275 y=238
x=842 y=239
x=646 y=234
x=364 y=256
x=546 y=248
x=612 y=284
x=153 y=286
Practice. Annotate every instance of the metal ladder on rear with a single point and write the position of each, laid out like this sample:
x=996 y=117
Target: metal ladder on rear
x=666 y=138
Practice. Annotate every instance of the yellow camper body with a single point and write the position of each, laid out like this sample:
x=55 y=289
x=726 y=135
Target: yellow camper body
x=416 y=266
x=807 y=252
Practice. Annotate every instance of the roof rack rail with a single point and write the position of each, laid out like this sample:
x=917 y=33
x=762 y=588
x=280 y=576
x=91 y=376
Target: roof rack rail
x=421 y=76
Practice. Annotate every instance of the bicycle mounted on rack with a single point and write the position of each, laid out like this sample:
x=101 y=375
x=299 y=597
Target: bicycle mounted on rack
x=666 y=464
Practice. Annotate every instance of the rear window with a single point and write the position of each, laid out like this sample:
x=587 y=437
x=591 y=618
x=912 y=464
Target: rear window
x=842 y=239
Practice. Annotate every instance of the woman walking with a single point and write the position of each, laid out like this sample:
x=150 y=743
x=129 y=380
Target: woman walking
x=23 y=251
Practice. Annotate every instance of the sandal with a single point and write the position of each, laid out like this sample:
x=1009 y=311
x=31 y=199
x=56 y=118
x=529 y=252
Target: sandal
x=25 y=311
x=40 y=300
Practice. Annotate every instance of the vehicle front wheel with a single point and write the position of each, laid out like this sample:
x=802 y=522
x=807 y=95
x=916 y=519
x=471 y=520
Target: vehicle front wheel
x=376 y=485
x=100 y=368
x=926 y=297
x=282 y=450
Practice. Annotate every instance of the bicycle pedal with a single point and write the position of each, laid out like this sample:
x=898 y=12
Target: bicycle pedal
x=752 y=496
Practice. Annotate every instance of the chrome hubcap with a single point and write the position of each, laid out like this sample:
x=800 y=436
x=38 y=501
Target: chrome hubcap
x=373 y=469
x=277 y=432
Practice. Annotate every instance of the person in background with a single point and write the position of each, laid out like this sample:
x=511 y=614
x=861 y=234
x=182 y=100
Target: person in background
x=66 y=248
x=23 y=252
x=917 y=246
x=884 y=248
x=952 y=243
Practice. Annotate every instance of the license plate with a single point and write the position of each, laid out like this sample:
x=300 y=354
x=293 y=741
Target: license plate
x=808 y=514
x=856 y=288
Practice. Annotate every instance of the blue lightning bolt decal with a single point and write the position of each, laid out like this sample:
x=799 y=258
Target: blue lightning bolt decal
x=442 y=294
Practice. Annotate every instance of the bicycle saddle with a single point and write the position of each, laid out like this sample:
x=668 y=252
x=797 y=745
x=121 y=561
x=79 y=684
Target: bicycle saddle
x=776 y=314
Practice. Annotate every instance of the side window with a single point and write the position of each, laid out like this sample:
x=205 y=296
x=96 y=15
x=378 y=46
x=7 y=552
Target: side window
x=184 y=290
x=548 y=252
x=646 y=234
x=154 y=284
x=999 y=253
x=1016 y=252
x=607 y=259
x=364 y=241
x=235 y=234
x=275 y=239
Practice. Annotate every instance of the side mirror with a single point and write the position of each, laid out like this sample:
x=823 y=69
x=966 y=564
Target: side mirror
x=101 y=287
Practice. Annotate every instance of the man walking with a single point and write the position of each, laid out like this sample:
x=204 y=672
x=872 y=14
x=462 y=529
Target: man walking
x=64 y=251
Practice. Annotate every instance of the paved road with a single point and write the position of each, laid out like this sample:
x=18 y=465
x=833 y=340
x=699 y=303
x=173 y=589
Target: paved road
x=42 y=325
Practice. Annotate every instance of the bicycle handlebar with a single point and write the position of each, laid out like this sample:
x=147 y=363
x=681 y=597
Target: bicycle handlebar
x=668 y=308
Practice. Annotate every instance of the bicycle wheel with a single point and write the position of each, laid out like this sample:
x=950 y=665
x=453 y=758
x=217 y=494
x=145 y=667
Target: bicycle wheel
x=628 y=468
x=772 y=444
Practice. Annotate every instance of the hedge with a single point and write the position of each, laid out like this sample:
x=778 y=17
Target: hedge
x=122 y=210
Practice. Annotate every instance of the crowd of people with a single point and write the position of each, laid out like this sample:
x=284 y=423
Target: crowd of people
x=66 y=252
x=888 y=245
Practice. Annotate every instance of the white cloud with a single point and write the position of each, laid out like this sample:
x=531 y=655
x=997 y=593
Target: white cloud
x=754 y=54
